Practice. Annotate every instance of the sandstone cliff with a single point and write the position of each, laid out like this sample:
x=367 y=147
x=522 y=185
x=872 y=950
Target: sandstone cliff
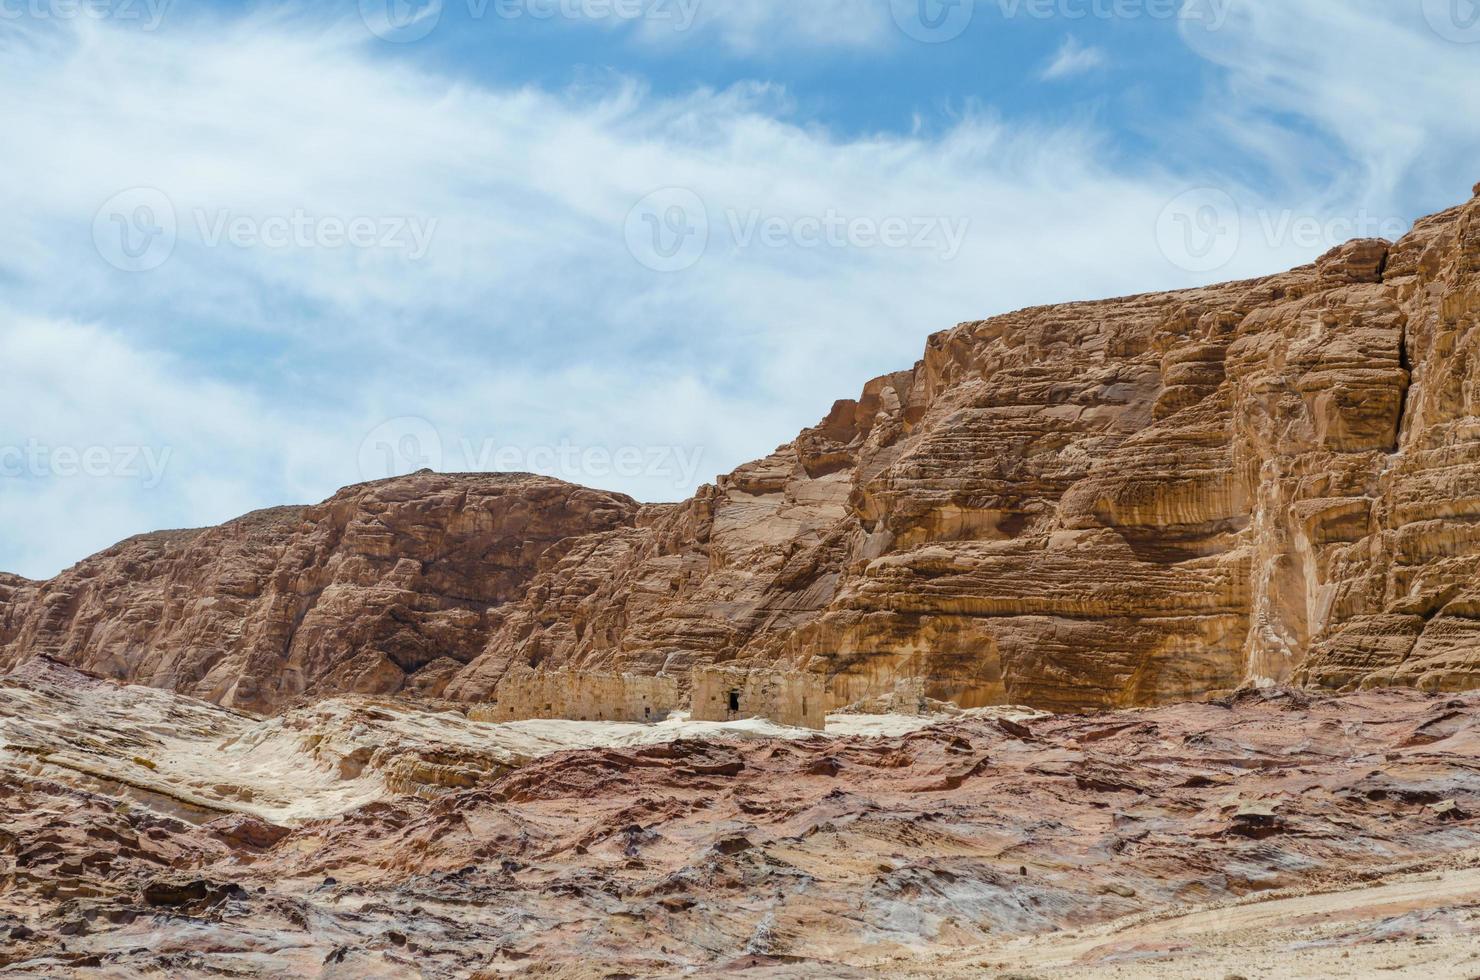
x=1096 y=504
x=385 y=586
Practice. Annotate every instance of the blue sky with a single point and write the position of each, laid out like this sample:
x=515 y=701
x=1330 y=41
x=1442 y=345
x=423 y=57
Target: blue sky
x=256 y=253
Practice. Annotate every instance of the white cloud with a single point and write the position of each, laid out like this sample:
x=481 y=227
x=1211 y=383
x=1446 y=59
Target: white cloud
x=755 y=27
x=529 y=322
x=1073 y=58
x=1388 y=82
x=103 y=439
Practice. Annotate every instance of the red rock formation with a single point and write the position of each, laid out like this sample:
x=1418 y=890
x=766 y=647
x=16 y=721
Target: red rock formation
x=384 y=586
x=15 y=593
x=1095 y=504
x=957 y=850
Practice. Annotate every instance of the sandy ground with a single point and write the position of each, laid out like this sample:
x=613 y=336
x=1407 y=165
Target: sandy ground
x=1417 y=925
x=262 y=754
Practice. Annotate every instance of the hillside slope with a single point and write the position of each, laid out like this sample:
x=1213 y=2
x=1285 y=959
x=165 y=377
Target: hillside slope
x=1088 y=505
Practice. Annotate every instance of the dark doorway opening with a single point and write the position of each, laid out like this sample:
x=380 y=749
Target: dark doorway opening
x=734 y=700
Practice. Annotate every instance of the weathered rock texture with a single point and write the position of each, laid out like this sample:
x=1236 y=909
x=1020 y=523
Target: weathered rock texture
x=1059 y=846
x=385 y=586
x=1096 y=504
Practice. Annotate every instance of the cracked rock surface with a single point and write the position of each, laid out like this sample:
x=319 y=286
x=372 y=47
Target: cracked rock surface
x=1309 y=825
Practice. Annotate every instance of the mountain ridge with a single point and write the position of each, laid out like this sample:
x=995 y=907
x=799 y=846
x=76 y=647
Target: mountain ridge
x=1097 y=504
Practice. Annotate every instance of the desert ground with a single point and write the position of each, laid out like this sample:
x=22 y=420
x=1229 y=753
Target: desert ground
x=1266 y=833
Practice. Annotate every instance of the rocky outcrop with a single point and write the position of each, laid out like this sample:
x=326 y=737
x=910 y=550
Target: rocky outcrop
x=15 y=594
x=1097 y=504
x=385 y=586
x=1088 y=505
x=1254 y=831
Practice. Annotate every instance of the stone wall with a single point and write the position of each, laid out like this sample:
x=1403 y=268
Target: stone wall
x=795 y=699
x=908 y=697
x=531 y=694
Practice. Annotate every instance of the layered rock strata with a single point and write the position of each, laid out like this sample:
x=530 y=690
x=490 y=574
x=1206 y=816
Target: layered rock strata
x=1088 y=505
x=384 y=587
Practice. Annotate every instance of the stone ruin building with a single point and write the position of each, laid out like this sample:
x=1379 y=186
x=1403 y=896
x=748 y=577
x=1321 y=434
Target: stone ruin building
x=728 y=694
x=529 y=694
x=716 y=694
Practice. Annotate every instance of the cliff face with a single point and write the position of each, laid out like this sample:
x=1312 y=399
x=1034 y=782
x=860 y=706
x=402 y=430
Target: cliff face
x=383 y=587
x=1096 y=504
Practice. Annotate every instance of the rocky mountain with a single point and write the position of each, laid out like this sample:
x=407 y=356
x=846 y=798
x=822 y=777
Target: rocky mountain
x=1098 y=504
x=383 y=587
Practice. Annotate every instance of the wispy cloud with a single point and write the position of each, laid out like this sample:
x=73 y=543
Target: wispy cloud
x=1073 y=58
x=746 y=28
x=536 y=317
x=756 y=27
x=1388 y=89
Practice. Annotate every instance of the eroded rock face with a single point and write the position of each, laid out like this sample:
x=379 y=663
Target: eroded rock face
x=1093 y=505
x=953 y=850
x=1090 y=505
x=385 y=586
